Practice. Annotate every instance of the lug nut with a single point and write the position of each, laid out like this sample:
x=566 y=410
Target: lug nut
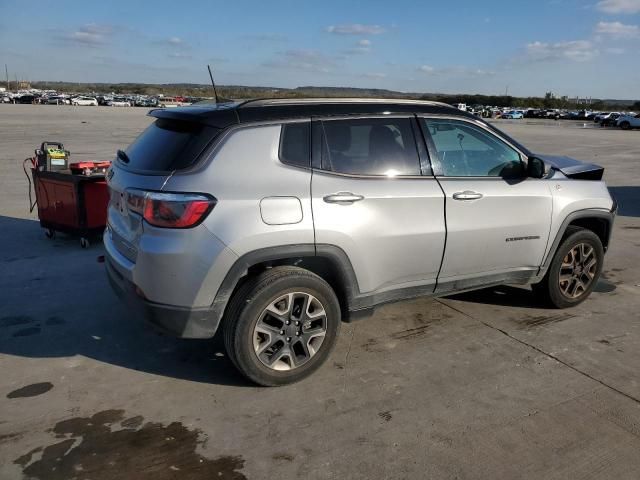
x=288 y=322
x=297 y=323
x=288 y=339
x=281 y=332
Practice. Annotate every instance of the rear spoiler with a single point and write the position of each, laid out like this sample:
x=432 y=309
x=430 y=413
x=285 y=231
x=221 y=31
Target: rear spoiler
x=220 y=116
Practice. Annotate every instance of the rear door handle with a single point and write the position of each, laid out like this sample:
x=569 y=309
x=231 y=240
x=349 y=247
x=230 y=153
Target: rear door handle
x=467 y=195
x=345 y=198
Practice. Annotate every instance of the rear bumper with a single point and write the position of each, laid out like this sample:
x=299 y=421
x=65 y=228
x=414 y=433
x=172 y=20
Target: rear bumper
x=170 y=319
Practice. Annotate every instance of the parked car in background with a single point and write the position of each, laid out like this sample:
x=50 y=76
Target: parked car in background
x=228 y=216
x=84 y=101
x=610 y=120
x=552 y=113
x=119 y=102
x=104 y=99
x=513 y=115
x=55 y=100
x=172 y=102
x=627 y=122
x=597 y=118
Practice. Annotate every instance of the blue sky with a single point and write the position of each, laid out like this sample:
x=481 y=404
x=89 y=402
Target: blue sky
x=570 y=47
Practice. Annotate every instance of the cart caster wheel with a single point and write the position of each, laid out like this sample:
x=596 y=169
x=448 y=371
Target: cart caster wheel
x=49 y=233
x=84 y=242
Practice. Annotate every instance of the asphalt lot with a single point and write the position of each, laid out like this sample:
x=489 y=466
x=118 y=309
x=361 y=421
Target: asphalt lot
x=480 y=385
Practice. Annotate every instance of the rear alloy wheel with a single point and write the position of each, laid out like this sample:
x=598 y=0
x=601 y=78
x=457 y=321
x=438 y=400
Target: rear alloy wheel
x=574 y=270
x=290 y=331
x=281 y=325
x=625 y=125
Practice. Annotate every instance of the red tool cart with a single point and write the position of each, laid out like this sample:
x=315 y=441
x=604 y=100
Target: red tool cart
x=73 y=200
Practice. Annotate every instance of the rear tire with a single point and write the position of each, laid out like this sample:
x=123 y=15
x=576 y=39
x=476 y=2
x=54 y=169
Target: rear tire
x=625 y=125
x=281 y=325
x=574 y=269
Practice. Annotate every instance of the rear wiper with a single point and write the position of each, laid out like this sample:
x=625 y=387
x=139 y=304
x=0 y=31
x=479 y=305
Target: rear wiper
x=122 y=155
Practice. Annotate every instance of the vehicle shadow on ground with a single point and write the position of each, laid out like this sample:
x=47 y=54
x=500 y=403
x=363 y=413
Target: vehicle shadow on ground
x=522 y=297
x=57 y=303
x=503 y=295
x=628 y=200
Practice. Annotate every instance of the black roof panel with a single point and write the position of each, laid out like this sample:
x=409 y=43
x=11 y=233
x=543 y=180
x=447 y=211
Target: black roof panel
x=222 y=115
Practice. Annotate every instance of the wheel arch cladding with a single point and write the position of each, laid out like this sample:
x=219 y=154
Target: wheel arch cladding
x=327 y=261
x=598 y=225
x=598 y=221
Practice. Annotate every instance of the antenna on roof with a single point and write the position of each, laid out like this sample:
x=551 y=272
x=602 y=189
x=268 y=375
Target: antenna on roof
x=215 y=93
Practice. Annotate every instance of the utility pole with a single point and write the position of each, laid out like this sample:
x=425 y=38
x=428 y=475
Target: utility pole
x=6 y=72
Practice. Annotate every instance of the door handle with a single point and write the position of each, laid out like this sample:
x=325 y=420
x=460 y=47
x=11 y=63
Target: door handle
x=467 y=195
x=346 y=198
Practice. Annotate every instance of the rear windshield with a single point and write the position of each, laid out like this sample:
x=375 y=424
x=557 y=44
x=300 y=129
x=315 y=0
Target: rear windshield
x=168 y=145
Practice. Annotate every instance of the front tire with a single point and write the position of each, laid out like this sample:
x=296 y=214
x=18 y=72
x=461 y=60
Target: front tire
x=281 y=325
x=574 y=270
x=625 y=125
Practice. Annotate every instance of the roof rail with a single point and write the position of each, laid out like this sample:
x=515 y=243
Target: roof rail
x=260 y=102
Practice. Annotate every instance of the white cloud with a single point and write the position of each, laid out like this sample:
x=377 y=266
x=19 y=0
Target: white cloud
x=575 y=50
x=357 y=51
x=179 y=55
x=175 y=43
x=374 y=75
x=617 y=30
x=362 y=47
x=619 y=6
x=267 y=37
x=89 y=35
x=615 y=50
x=308 y=60
x=456 y=71
x=356 y=29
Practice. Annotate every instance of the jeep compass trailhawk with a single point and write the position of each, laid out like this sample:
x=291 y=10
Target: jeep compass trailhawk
x=276 y=219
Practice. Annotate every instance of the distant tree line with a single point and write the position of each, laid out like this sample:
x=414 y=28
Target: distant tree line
x=240 y=92
x=547 y=102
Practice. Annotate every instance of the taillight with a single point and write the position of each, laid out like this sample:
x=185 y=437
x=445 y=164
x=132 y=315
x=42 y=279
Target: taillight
x=170 y=210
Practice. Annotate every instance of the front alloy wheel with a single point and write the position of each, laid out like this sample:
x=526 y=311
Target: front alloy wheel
x=578 y=270
x=574 y=269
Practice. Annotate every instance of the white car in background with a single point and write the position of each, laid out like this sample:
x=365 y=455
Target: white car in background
x=84 y=101
x=627 y=122
x=120 y=102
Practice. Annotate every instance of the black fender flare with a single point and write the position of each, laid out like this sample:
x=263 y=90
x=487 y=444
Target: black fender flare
x=601 y=214
x=338 y=258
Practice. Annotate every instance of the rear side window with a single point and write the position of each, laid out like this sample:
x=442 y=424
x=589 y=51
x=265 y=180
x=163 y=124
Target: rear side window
x=168 y=145
x=295 y=144
x=370 y=146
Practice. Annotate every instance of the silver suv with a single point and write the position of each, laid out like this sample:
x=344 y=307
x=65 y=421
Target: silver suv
x=277 y=219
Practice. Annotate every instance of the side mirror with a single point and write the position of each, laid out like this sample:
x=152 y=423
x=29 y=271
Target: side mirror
x=536 y=167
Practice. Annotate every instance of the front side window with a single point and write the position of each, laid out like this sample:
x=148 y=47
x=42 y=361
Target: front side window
x=465 y=150
x=370 y=146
